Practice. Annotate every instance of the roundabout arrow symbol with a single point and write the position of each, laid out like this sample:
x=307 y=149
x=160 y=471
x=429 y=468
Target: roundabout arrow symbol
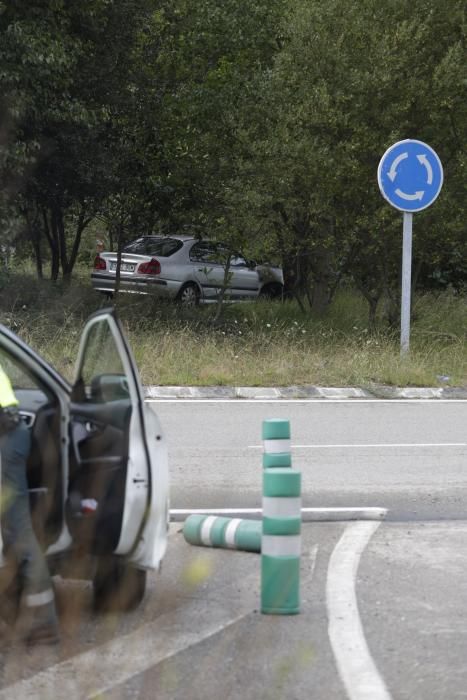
x=410 y=197
x=429 y=170
x=393 y=170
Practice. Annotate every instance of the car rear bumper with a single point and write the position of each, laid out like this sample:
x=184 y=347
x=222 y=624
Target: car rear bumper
x=104 y=282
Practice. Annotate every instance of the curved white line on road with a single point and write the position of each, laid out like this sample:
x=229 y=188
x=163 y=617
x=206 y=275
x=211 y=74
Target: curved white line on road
x=353 y=659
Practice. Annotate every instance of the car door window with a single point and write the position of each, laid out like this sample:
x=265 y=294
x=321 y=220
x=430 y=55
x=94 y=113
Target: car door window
x=29 y=391
x=18 y=375
x=238 y=261
x=102 y=371
x=208 y=253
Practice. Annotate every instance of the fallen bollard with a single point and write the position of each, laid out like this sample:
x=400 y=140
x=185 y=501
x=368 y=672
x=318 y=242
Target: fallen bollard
x=230 y=533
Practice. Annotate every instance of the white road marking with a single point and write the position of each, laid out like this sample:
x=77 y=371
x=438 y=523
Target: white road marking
x=100 y=669
x=314 y=514
x=372 y=445
x=313 y=557
x=354 y=662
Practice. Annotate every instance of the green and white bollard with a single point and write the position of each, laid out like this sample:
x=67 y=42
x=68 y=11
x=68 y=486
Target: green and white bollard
x=230 y=533
x=281 y=541
x=276 y=443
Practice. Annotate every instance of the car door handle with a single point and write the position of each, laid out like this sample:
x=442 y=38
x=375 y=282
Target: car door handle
x=28 y=418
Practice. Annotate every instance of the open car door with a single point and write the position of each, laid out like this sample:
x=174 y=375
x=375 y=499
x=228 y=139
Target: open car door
x=111 y=507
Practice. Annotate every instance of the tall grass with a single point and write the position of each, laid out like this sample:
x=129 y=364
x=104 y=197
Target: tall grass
x=257 y=343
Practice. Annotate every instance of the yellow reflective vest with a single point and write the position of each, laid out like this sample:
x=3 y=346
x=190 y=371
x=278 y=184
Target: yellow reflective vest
x=7 y=395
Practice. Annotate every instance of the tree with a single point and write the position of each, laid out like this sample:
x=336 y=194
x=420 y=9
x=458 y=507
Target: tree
x=350 y=80
x=66 y=86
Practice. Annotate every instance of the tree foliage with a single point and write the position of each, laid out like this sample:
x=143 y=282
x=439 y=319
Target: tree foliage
x=259 y=123
x=350 y=80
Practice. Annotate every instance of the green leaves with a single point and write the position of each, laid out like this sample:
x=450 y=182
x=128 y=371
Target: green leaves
x=261 y=123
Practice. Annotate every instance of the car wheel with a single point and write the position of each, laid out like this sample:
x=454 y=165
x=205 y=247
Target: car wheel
x=189 y=295
x=117 y=586
x=271 y=291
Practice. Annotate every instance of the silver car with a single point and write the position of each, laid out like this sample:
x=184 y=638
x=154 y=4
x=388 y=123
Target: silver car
x=185 y=268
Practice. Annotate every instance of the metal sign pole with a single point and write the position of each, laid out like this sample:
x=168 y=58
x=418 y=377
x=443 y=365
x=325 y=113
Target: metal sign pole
x=406 y=281
x=410 y=177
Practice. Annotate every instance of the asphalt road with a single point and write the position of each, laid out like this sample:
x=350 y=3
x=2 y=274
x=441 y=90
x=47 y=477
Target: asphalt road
x=383 y=603
x=407 y=456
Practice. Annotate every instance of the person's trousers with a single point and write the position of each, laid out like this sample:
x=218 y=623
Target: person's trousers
x=17 y=530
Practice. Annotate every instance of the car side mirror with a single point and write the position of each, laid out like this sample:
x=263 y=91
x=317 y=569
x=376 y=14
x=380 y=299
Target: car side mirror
x=78 y=392
x=109 y=387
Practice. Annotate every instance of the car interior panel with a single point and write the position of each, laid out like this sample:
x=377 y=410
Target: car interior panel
x=98 y=470
x=44 y=474
x=40 y=412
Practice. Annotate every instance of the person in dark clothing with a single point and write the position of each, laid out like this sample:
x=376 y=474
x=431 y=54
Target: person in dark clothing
x=18 y=535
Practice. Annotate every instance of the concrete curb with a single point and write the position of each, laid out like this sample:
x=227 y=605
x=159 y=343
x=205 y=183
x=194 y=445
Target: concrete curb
x=302 y=392
x=179 y=515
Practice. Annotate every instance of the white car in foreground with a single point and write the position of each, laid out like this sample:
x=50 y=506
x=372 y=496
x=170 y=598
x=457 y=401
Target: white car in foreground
x=187 y=269
x=97 y=471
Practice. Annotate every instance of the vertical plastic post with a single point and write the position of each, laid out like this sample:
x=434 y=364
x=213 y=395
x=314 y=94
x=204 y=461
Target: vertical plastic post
x=281 y=541
x=276 y=443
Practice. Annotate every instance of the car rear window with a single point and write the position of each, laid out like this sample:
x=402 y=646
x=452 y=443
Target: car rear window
x=165 y=247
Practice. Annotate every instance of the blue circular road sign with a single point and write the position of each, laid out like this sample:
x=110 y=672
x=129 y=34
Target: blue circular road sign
x=410 y=175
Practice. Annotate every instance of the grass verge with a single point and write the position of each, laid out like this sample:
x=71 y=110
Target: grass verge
x=256 y=344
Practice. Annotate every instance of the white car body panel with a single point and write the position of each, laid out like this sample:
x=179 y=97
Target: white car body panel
x=144 y=454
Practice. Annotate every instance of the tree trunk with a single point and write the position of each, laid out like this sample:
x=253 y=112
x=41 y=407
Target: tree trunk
x=52 y=239
x=373 y=306
x=38 y=256
x=416 y=269
x=34 y=232
x=321 y=293
x=60 y=224
x=372 y=289
x=220 y=300
x=119 y=259
x=290 y=272
x=80 y=226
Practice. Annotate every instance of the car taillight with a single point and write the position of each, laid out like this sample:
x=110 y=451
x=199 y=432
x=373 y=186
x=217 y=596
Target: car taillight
x=153 y=267
x=99 y=263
